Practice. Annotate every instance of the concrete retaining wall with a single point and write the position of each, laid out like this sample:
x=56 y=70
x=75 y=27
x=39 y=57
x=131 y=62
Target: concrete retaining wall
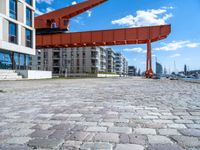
x=107 y=75
x=34 y=74
x=92 y=75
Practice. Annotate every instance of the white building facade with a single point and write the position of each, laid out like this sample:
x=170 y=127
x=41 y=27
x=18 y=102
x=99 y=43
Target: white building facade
x=121 y=64
x=17 y=33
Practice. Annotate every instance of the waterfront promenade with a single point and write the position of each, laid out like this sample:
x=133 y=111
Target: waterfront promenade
x=106 y=114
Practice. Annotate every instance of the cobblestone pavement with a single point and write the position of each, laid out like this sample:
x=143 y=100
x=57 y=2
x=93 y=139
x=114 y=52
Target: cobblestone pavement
x=99 y=114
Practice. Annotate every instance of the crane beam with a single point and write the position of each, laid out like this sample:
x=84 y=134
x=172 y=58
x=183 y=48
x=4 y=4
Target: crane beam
x=140 y=35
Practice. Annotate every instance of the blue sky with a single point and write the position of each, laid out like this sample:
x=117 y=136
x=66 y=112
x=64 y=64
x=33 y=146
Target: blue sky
x=182 y=46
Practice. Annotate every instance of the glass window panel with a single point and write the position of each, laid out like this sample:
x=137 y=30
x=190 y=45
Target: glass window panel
x=5 y=60
x=29 y=2
x=28 y=38
x=13 y=9
x=28 y=17
x=12 y=33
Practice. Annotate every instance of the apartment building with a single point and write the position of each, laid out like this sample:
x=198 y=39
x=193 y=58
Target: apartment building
x=110 y=60
x=70 y=61
x=121 y=64
x=17 y=34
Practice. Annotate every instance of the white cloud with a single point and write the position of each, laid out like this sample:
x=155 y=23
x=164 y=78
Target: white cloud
x=137 y=50
x=49 y=9
x=193 y=45
x=45 y=1
x=175 y=55
x=89 y=13
x=146 y=18
x=38 y=12
x=175 y=45
x=74 y=3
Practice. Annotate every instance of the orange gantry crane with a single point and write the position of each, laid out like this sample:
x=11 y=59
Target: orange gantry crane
x=51 y=32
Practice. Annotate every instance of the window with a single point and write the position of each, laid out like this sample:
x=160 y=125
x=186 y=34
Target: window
x=29 y=2
x=13 y=9
x=28 y=38
x=28 y=17
x=12 y=33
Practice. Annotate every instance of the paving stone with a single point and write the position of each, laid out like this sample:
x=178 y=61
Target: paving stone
x=150 y=117
x=156 y=139
x=125 y=130
x=82 y=136
x=187 y=141
x=45 y=143
x=162 y=121
x=14 y=147
x=129 y=147
x=168 y=132
x=3 y=124
x=193 y=149
x=197 y=113
x=20 y=125
x=145 y=131
x=22 y=132
x=106 y=124
x=18 y=140
x=164 y=147
x=41 y=133
x=62 y=127
x=153 y=125
x=96 y=129
x=79 y=128
x=138 y=139
x=191 y=132
x=45 y=115
x=75 y=115
x=169 y=117
x=193 y=126
x=58 y=134
x=107 y=137
x=42 y=126
x=177 y=126
x=87 y=123
x=96 y=146
x=72 y=145
x=124 y=138
x=183 y=121
x=122 y=120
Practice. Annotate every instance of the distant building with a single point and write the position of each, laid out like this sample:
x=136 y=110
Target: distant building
x=132 y=71
x=185 y=69
x=110 y=60
x=121 y=64
x=74 y=61
x=159 y=69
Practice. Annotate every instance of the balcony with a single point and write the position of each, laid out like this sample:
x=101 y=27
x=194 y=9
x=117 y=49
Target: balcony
x=56 y=64
x=56 y=56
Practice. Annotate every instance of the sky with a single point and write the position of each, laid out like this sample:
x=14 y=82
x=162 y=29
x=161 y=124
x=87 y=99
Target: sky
x=180 y=48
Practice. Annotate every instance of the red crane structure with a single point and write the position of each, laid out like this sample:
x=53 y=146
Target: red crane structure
x=51 y=32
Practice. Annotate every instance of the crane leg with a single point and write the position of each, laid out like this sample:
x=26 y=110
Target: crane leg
x=149 y=71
